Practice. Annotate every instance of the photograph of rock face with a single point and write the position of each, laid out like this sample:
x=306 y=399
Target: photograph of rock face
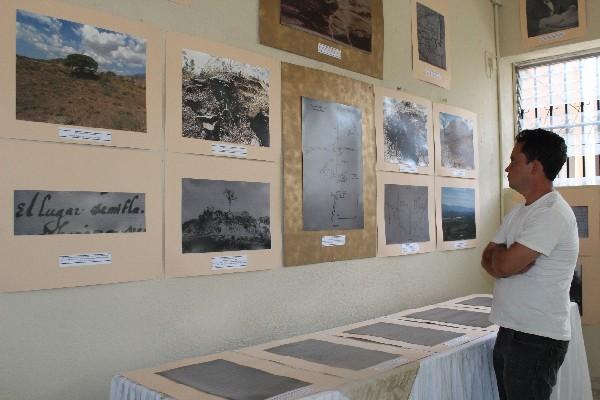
x=406 y=214
x=431 y=34
x=222 y=215
x=405 y=133
x=41 y=212
x=458 y=214
x=77 y=74
x=456 y=137
x=345 y=21
x=332 y=195
x=224 y=100
x=547 y=16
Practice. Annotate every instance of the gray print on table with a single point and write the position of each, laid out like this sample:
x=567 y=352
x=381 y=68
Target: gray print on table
x=224 y=100
x=406 y=214
x=42 y=212
x=456 y=137
x=482 y=301
x=431 y=34
x=224 y=215
x=405 y=133
x=406 y=333
x=332 y=195
x=458 y=214
x=459 y=317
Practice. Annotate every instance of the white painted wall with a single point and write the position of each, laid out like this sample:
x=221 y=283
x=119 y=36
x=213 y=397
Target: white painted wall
x=67 y=344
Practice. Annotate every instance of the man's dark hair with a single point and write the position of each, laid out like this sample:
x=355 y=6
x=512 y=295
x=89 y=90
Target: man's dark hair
x=546 y=147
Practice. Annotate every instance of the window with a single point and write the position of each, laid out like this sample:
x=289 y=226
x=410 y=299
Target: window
x=564 y=97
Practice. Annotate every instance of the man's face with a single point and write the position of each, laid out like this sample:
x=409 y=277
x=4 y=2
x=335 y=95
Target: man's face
x=519 y=170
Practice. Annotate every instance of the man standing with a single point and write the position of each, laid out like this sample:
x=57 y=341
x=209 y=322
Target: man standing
x=532 y=257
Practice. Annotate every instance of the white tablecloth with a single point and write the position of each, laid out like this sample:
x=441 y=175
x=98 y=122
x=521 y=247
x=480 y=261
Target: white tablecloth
x=463 y=373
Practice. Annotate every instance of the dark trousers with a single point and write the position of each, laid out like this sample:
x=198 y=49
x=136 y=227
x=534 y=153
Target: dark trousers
x=526 y=365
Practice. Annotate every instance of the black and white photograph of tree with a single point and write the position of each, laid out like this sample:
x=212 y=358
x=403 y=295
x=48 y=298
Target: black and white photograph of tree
x=224 y=100
x=222 y=215
x=345 y=21
x=547 y=16
x=431 y=36
x=405 y=133
x=456 y=137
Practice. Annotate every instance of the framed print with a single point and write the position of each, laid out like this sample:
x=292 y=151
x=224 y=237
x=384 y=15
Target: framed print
x=222 y=215
x=407 y=334
x=76 y=75
x=430 y=38
x=456 y=142
x=449 y=315
x=221 y=100
x=328 y=167
x=457 y=213
x=549 y=21
x=404 y=130
x=231 y=375
x=65 y=228
x=346 y=34
x=584 y=289
x=337 y=356
x=584 y=201
x=405 y=214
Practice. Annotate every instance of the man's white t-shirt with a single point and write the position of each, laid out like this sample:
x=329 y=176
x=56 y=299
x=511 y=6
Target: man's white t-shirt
x=537 y=301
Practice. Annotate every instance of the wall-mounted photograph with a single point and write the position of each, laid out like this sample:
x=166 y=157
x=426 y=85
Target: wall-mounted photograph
x=548 y=21
x=220 y=215
x=458 y=214
x=344 y=21
x=70 y=73
x=406 y=214
x=405 y=132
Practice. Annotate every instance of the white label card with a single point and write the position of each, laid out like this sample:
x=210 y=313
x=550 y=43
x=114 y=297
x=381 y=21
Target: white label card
x=80 y=134
x=391 y=363
x=229 y=150
x=408 y=168
x=461 y=173
x=329 y=51
x=458 y=341
x=410 y=248
x=552 y=36
x=337 y=240
x=461 y=244
x=433 y=74
x=83 y=260
x=229 y=262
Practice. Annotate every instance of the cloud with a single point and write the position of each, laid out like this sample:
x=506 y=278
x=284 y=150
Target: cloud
x=51 y=45
x=49 y=23
x=112 y=49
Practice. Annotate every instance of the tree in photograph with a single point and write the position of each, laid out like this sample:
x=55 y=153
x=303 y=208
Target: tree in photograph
x=230 y=194
x=81 y=64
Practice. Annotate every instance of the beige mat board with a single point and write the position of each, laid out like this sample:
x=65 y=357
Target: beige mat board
x=106 y=100
x=456 y=231
x=398 y=356
x=217 y=67
x=586 y=201
x=394 y=119
x=431 y=42
x=404 y=315
x=32 y=261
x=401 y=215
x=456 y=142
x=150 y=377
x=590 y=274
x=186 y=166
x=305 y=247
x=306 y=43
x=541 y=26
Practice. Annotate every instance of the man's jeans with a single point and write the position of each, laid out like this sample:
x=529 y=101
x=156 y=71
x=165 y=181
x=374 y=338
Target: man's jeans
x=526 y=365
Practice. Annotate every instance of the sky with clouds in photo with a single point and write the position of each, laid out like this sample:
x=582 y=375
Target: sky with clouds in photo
x=458 y=197
x=44 y=37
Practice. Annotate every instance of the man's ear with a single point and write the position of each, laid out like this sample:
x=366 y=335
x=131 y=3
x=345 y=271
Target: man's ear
x=537 y=167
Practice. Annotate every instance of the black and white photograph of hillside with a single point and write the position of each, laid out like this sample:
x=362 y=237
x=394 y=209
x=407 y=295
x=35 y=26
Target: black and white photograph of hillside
x=431 y=34
x=405 y=133
x=345 y=21
x=224 y=100
x=456 y=137
x=547 y=16
x=458 y=214
x=221 y=215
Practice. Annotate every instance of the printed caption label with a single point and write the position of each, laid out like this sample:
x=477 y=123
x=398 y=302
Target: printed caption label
x=460 y=173
x=229 y=150
x=458 y=341
x=293 y=394
x=433 y=74
x=337 y=240
x=461 y=244
x=229 y=262
x=391 y=363
x=84 y=260
x=80 y=134
x=410 y=248
x=329 y=51
x=551 y=36
x=408 y=168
